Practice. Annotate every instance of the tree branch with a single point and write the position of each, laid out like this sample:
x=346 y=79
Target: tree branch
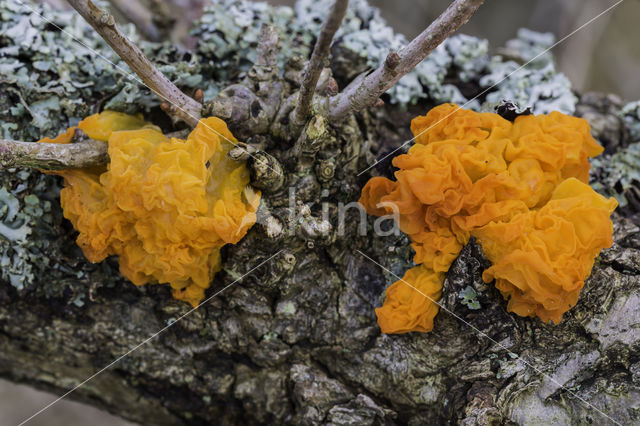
x=315 y=65
x=364 y=92
x=52 y=156
x=185 y=108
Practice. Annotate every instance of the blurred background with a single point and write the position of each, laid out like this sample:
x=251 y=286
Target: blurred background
x=603 y=56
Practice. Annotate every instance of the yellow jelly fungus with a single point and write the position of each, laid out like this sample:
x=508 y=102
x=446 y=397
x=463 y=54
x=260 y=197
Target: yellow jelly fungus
x=520 y=188
x=165 y=206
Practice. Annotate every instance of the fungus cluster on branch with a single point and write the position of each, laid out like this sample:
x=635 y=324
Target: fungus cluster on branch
x=520 y=188
x=165 y=206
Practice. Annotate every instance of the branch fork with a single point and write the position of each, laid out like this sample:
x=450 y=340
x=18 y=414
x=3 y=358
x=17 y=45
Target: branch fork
x=368 y=88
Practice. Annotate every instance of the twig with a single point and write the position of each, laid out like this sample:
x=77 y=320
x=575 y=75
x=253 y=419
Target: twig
x=266 y=63
x=52 y=156
x=268 y=41
x=135 y=12
x=364 y=92
x=184 y=107
x=315 y=65
x=58 y=156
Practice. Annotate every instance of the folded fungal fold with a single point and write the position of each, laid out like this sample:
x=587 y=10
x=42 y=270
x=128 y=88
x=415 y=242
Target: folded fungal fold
x=165 y=206
x=520 y=188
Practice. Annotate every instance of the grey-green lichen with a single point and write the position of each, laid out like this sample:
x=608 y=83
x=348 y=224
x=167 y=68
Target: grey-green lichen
x=630 y=114
x=618 y=175
x=50 y=81
x=365 y=39
x=47 y=79
x=227 y=36
x=26 y=222
x=35 y=243
x=469 y=297
x=32 y=243
x=537 y=84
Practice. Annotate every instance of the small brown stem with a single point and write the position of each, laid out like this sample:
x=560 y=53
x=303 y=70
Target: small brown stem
x=315 y=65
x=185 y=108
x=52 y=156
x=364 y=91
x=266 y=64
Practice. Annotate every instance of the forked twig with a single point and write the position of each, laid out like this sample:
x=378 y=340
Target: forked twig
x=365 y=91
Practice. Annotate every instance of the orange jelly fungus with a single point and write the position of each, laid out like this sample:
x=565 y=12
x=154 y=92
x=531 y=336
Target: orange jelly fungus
x=165 y=206
x=520 y=188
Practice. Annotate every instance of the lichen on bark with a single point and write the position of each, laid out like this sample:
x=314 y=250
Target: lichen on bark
x=296 y=340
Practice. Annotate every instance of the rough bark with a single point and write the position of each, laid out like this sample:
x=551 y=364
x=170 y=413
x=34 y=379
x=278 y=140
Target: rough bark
x=296 y=341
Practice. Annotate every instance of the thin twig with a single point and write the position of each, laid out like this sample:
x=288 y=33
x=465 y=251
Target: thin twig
x=316 y=63
x=183 y=106
x=364 y=92
x=58 y=156
x=52 y=156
